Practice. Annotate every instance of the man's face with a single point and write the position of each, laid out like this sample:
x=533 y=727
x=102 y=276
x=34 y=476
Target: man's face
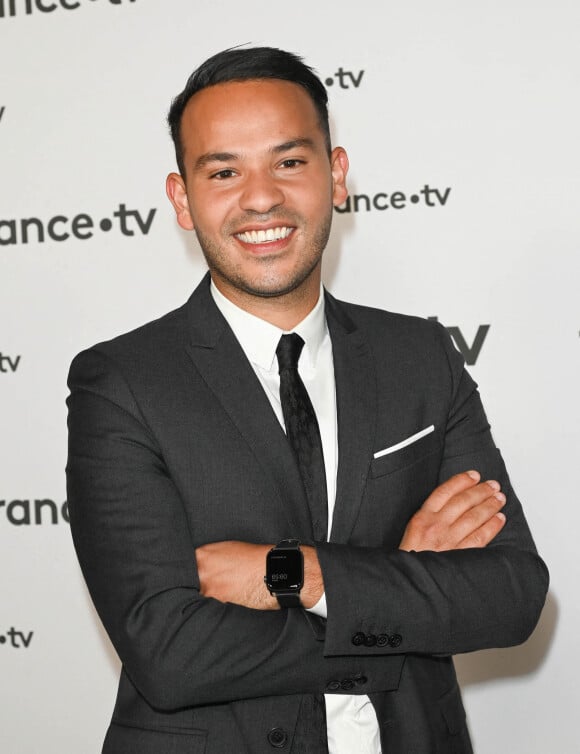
x=259 y=187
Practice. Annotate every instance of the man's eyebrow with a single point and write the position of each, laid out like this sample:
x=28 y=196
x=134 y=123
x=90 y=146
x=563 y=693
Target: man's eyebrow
x=209 y=157
x=293 y=144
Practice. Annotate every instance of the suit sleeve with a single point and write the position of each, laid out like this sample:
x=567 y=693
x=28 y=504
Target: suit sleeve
x=441 y=602
x=135 y=548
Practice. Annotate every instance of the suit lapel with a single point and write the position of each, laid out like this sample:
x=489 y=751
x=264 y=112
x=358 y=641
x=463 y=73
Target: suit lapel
x=356 y=406
x=221 y=362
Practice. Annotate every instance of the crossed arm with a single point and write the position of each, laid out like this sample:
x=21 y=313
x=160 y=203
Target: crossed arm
x=461 y=513
x=181 y=647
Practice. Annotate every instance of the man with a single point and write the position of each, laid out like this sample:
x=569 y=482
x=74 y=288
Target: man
x=188 y=465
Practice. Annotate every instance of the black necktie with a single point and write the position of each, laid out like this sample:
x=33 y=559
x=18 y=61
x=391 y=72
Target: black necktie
x=303 y=432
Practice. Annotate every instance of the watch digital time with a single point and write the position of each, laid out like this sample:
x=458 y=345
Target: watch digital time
x=285 y=572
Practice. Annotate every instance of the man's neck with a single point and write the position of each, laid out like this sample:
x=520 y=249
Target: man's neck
x=285 y=311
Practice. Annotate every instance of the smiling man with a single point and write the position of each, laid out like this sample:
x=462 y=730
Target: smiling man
x=289 y=510
x=258 y=187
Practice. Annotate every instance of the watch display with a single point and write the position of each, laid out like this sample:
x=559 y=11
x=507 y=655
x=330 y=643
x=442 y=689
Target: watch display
x=285 y=572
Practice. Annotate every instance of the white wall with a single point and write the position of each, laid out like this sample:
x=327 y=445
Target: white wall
x=478 y=101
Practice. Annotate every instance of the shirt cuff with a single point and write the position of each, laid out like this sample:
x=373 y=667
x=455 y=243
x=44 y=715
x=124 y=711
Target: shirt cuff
x=320 y=607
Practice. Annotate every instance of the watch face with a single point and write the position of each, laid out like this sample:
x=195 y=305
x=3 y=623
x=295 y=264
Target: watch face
x=284 y=570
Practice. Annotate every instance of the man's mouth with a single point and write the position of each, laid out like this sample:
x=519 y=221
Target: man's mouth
x=265 y=236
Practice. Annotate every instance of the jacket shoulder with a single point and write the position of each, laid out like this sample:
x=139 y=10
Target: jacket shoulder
x=141 y=350
x=374 y=322
x=408 y=340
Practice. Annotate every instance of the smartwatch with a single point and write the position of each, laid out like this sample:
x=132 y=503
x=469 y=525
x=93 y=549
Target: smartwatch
x=285 y=572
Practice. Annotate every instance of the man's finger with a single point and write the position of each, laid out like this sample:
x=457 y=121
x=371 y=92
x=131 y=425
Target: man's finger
x=461 y=516
x=453 y=486
x=463 y=502
x=484 y=535
x=476 y=516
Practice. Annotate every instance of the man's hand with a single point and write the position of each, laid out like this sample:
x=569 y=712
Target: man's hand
x=234 y=572
x=460 y=513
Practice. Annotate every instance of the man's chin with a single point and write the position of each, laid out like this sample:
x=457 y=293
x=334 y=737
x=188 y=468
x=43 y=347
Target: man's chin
x=265 y=287
x=269 y=291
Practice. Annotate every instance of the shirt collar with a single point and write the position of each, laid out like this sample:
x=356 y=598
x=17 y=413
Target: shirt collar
x=259 y=339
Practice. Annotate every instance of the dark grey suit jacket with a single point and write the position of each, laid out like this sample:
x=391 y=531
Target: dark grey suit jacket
x=173 y=444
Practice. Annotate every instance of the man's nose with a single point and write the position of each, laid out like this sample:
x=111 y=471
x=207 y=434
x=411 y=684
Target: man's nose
x=261 y=193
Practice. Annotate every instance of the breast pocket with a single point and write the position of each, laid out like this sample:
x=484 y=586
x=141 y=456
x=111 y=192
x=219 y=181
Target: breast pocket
x=407 y=455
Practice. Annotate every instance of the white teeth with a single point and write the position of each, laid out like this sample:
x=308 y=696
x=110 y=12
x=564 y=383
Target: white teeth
x=263 y=236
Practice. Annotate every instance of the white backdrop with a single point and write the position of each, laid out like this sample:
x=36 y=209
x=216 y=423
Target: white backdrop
x=473 y=109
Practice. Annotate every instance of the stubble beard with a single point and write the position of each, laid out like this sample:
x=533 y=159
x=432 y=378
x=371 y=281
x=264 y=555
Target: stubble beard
x=268 y=283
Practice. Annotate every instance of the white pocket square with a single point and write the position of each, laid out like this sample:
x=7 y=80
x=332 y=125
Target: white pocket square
x=404 y=443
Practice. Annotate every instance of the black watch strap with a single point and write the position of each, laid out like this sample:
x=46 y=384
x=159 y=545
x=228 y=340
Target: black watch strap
x=288 y=544
x=288 y=599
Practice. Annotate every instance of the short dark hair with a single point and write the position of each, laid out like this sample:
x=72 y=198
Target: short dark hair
x=244 y=64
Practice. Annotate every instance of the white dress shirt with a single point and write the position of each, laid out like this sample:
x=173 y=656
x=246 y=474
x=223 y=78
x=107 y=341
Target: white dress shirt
x=350 y=719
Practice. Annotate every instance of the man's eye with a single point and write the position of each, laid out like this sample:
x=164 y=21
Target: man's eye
x=222 y=174
x=292 y=163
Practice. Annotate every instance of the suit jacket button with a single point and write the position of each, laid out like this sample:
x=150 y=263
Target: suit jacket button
x=382 y=640
x=278 y=738
x=370 y=640
x=347 y=684
x=360 y=680
x=332 y=686
x=358 y=639
x=395 y=640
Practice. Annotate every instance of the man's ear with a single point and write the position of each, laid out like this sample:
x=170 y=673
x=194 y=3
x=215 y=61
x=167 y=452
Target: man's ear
x=339 y=169
x=177 y=193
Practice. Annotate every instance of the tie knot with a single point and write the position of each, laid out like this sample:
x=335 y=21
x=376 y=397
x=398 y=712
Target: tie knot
x=288 y=351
